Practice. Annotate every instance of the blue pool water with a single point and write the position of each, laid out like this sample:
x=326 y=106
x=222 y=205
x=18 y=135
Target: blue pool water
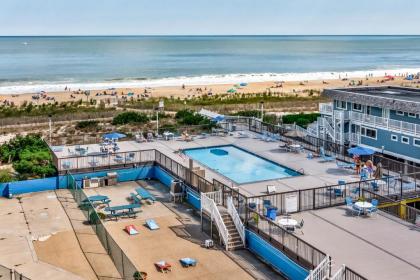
x=239 y=165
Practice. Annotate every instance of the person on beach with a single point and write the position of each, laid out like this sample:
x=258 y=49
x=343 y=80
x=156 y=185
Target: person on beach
x=358 y=164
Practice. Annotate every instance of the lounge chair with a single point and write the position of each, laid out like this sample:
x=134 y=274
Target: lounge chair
x=163 y=266
x=130 y=157
x=345 y=165
x=242 y=134
x=119 y=158
x=186 y=262
x=324 y=157
x=151 y=224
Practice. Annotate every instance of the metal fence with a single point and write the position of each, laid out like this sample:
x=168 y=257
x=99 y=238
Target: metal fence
x=295 y=248
x=394 y=208
x=123 y=264
x=11 y=274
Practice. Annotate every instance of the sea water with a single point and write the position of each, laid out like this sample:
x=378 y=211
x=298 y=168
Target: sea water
x=29 y=64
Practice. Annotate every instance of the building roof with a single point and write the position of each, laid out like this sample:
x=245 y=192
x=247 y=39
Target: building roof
x=391 y=97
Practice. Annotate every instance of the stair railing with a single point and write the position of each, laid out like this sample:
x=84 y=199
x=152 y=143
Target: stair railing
x=236 y=219
x=208 y=204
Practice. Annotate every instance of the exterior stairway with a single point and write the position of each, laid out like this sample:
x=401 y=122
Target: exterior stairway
x=234 y=239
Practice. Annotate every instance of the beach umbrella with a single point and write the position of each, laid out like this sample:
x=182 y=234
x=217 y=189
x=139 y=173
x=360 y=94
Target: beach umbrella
x=360 y=151
x=232 y=90
x=243 y=84
x=218 y=118
x=295 y=133
x=114 y=135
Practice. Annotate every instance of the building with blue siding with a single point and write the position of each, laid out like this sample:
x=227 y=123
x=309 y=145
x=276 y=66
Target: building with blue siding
x=386 y=119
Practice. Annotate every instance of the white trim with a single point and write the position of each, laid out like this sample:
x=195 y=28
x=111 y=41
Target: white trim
x=405 y=137
x=399 y=113
x=361 y=107
x=412 y=115
x=394 y=139
x=339 y=102
x=414 y=142
x=363 y=135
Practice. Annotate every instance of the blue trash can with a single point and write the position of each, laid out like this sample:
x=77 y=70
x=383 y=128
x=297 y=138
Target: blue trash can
x=272 y=213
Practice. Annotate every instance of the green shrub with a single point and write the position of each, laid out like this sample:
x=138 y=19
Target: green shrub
x=5 y=176
x=87 y=124
x=300 y=119
x=130 y=117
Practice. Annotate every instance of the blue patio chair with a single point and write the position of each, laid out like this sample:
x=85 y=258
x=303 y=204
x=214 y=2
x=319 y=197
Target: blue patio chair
x=266 y=203
x=324 y=157
x=374 y=208
x=338 y=192
x=356 y=210
x=375 y=202
x=375 y=186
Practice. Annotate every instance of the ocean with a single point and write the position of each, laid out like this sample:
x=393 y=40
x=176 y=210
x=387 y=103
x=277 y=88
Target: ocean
x=30 y=64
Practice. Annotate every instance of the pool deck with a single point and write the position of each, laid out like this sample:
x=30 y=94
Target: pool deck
x=316 y=173
x=377 y=247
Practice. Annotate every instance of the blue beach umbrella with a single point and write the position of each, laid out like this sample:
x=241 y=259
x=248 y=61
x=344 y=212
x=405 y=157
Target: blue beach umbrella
x=361 y=151
x=218 y=118
x=243 y=84
x=114 y=135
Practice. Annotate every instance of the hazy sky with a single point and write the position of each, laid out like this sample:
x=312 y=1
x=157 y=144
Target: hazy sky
x=185 y=17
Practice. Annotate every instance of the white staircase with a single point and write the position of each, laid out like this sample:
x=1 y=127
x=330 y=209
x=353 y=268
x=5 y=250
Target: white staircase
x=322 y=271
x=226 y=220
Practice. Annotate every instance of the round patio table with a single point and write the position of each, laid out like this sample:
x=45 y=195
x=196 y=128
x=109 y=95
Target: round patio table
x=288 y=222
x=364 y=205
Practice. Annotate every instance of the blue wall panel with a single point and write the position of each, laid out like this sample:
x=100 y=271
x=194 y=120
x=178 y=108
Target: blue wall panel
x=193 y=198
x=163 y=176
x=274 y=257
x=28 y=186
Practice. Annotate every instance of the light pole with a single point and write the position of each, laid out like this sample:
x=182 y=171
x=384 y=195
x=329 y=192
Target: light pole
x=262 y=111
x=160 y=107
x=50 y=126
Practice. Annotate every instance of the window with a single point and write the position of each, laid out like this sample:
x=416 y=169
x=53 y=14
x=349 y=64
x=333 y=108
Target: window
x=411 y=115
x=416 y=142
x=394 y=137
x=400 y=113
x=357 y=107
x=368 y=132
x=405 y=140
x=341 y=104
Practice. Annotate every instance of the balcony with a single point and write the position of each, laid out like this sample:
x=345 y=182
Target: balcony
x=388 y=124
x=326 y=108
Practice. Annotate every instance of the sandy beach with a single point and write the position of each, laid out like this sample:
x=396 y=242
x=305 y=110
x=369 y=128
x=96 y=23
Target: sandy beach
x=286 y=88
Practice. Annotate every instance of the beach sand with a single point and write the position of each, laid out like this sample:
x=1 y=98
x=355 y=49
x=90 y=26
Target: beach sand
x=287 y=88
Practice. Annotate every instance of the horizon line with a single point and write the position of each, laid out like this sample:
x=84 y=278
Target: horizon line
x=202 y=35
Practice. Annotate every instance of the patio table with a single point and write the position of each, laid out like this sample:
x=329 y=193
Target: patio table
x=363 y=205
x=287 y=222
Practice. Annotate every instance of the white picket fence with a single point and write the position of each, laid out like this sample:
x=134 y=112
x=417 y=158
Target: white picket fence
x=322 y=271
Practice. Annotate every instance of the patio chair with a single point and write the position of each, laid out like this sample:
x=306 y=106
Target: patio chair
x=163 y=266
x=130 y=157
x=375 y=186
x=187 y=262
x=324 y=157
x=338 y=192
x=351 y=207
x=374 y=208
x=300 y=226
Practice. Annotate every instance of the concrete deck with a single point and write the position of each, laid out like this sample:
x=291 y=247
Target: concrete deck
x=316 y=173
x=37 y=240
x=378 y=247
x=179 y=236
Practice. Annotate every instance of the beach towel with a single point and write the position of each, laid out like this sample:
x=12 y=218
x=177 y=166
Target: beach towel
x=151 y=224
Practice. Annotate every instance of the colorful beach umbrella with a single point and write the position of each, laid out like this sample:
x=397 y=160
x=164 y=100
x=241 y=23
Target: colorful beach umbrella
x=232 y=90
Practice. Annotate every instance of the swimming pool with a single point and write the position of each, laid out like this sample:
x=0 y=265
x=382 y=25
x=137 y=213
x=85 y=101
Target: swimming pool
x=239 y=165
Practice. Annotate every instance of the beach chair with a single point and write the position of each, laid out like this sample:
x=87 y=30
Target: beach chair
x=187 y=262
x=151 y=224
x=119 y=158
x=374 y=208
x=163 y=266
x=300 y=226
x=130 y=157
x=345 y=165
x=324 y=157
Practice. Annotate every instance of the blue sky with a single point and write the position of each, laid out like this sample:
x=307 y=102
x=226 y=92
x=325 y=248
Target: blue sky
x=192 y=17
